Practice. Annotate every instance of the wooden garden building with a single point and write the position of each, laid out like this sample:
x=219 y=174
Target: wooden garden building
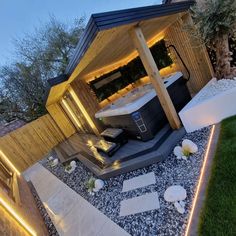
x=113 y=40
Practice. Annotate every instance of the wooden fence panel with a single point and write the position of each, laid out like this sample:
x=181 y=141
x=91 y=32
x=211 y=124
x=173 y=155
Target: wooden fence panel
x=30 y=143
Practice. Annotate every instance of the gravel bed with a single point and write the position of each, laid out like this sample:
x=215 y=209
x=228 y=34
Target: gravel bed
x=163 y=221
x=214 y=88
x=50 y=226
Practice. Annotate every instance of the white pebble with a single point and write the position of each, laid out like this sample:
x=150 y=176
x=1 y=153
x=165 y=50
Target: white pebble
x=214 y=88
x=179 y=208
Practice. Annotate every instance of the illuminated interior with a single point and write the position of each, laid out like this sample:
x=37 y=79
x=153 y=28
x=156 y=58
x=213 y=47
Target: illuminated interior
x=83 y=110
x=122 y=92
x=68 y=109
x=115 y=83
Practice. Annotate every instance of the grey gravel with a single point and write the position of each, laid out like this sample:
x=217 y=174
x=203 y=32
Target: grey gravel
x=163 y=221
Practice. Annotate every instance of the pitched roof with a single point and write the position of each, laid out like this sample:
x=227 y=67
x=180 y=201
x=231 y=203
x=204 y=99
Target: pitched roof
x=107 y=20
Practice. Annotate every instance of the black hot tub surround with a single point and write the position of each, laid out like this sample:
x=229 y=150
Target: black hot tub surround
x=140 y=113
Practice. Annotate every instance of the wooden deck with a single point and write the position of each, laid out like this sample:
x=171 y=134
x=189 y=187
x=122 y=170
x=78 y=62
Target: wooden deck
x=135 y=154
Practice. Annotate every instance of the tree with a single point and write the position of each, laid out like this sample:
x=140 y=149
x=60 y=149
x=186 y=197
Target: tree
x=39 y=56
x=215 y=21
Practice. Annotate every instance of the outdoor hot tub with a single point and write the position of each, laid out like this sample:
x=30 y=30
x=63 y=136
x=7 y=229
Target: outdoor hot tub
x=140 y=113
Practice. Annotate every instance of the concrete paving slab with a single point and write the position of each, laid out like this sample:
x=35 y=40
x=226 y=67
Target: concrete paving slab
x=139 y=182
x=139 y=204
x=70 y=213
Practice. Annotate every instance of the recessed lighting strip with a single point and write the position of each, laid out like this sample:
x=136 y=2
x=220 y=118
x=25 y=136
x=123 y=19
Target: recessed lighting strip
x=17 y=217
x=9 y=163
x=200 y=181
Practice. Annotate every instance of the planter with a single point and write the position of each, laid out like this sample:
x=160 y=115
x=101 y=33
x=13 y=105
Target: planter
x=201 y=112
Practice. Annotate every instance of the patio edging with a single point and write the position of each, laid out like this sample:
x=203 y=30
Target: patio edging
x=193 y=225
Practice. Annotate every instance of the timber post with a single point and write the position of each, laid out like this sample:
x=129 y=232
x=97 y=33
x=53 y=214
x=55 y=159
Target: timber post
x=154 y=76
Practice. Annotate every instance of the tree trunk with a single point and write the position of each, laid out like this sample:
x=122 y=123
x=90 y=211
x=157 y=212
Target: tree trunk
x=223 y=58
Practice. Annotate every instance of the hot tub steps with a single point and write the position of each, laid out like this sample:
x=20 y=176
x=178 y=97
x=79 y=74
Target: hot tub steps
x=135 y=154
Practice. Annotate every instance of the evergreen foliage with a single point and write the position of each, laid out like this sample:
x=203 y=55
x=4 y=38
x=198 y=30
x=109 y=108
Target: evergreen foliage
x=215 y=22
x=38 y=57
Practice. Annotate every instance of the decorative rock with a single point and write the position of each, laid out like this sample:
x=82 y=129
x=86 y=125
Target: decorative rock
x=73 y=164
x=69 y=171
x=182 y=203
x=179 y=208
x=189 y=146
x=51 y=158
x=91 y=192
x=178 y=152
x=175 y=193
x=98 y=185
x=54 y=162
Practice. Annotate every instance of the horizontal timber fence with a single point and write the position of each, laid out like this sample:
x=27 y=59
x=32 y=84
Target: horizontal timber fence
x=27 y=145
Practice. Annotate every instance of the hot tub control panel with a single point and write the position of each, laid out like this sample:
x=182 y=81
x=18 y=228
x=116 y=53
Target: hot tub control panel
x=139 y=122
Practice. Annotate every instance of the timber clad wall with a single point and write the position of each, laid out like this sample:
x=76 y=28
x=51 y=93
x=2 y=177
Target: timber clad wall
x=28 y=144
x=61 y=119
x=194 y=55
x=26 y=208
x=88 y=99
x=9 y=226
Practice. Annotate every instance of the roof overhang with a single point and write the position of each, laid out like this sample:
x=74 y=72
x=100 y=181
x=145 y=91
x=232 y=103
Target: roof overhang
x=106 y=42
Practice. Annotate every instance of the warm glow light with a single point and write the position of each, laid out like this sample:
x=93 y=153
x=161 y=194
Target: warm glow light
x=155 y=39
x=168 y=70
x=71 y=112
x=110 y=67
x=200 y=181
x=116 y=165
x=83 y=110
x=8 y=162
x=17 y=217
x=144 y=80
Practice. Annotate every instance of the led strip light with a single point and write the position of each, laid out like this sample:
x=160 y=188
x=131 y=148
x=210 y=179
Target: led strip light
x=7 y=206
x=200 y=181
x=8 y=162
x=17 y=217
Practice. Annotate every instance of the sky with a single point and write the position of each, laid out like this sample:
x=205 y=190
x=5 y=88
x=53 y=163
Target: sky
x=18 y=17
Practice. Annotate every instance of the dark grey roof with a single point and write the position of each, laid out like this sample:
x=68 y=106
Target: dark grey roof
x=103 y=21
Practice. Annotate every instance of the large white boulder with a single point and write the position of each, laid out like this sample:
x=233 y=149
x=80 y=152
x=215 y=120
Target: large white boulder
x=175 y=193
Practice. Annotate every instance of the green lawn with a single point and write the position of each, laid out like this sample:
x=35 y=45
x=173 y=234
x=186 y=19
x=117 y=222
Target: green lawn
x=219 y=213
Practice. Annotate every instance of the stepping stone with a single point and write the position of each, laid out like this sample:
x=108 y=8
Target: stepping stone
x=139 y=204
x=139 y=182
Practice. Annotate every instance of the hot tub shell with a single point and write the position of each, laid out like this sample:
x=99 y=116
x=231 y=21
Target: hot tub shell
x=142 y=117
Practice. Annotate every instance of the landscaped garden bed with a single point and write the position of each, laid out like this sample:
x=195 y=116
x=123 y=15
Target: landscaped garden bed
x=163 y=221
x=211 y=105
